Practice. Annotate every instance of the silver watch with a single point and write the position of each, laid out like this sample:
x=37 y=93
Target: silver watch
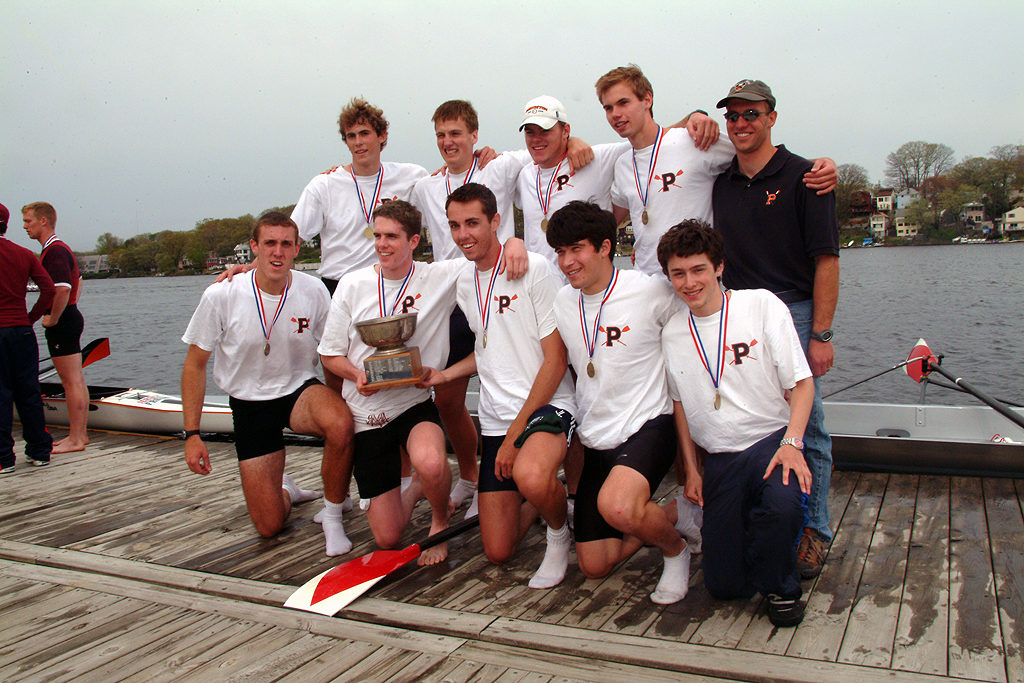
x=794 y=442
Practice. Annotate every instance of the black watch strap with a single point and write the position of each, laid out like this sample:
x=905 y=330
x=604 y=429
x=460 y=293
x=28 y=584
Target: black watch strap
x=823 y=336
x=190 y=432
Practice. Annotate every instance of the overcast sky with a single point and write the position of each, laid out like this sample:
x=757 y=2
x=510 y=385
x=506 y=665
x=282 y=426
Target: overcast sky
x=137 y=116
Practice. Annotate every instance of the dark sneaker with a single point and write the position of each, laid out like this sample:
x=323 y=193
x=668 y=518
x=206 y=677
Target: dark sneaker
x=810 y=553
x=7 y=470
x=785 y=612
x=38 y=463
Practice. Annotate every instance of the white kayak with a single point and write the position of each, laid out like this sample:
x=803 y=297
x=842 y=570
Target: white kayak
x=134 y=410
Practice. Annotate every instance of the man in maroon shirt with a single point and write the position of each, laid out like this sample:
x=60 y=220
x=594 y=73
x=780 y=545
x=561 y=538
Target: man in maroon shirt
x=19 y=353
x=63 y=322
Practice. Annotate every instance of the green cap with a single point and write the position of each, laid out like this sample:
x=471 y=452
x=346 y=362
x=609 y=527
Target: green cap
x=754 y=91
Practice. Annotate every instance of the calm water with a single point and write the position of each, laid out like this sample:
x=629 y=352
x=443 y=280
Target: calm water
x=966 y=301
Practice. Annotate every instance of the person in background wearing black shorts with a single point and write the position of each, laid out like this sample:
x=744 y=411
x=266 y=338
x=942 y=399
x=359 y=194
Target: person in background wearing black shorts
x=263 y=329
x=63 y=323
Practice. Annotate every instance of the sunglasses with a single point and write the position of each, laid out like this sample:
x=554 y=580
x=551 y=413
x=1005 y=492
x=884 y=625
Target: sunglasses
x=748 y=115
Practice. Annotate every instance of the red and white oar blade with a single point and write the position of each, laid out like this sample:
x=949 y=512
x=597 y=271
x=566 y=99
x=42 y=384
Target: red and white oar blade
x=334 y=589
x=921 y=355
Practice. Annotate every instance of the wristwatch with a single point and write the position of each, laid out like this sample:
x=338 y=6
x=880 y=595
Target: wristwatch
x=794 y=442
x=190 y=432
x=824 y=336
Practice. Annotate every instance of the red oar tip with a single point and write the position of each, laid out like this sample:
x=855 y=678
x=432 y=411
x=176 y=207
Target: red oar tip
x=922 y=356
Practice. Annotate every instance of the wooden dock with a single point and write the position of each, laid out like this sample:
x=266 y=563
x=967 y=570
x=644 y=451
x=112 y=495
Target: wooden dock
x=119 y=564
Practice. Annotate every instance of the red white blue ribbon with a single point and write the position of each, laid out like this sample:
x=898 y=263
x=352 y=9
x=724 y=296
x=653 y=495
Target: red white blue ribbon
x=382 y=298
x=591 y=339
x=468 y=178
x=483 y=303
x=267 y=329
x=368 y=210
x=544 y=198
x=645 y=192
x=723 y=328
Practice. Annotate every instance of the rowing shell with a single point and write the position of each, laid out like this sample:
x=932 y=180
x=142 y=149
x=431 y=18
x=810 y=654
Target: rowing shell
x=134 y=410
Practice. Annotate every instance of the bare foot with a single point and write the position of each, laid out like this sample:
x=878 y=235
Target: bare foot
x=66 y=445
x=437 y=554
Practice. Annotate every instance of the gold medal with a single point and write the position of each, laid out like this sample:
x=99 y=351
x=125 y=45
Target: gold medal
x=485 y=340
x=266 y=349
x=544 y=224
x=718 y=400
x=644 y=217
x=591 y=371
x=368 y=233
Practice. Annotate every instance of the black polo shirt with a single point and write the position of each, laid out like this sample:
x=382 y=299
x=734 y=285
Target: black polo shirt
x=773 y=226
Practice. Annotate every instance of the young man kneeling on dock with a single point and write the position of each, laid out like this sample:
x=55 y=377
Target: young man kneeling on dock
x=732 y=358
x=526 y=397
x=263 y=330
x=390 y=419
x=611 y=322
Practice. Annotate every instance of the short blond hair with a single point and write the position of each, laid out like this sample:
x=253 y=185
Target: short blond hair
x=42 y=210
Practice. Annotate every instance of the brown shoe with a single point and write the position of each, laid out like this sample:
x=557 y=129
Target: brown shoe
x=810 y=553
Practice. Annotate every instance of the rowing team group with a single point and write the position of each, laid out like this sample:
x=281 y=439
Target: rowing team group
x=650 y=372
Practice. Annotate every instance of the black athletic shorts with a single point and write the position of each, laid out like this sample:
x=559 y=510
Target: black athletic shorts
x=258 y=424
x=651 y=452
x=461 y=339
x=547 y=418
x=330 y=284
x=377 y=453
x=65 y=338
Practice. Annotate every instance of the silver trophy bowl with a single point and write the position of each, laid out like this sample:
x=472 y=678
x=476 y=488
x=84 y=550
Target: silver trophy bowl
x=387 y=334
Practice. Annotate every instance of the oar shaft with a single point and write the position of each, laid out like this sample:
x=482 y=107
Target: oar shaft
x=978 y=394
x=450 y=533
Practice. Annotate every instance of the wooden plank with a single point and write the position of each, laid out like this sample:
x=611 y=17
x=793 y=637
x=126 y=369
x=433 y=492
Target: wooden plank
x=922 y=631
x=333 y=663
x=698 y=660
x=1006 y=531
x=224 y=666
x=828 y=607
x=975 y=643
x=172 y=637
x=286 y=618
x=109 y=641
x=382 y=665
x=284 y=660
x=870 y=633
x=197 y=653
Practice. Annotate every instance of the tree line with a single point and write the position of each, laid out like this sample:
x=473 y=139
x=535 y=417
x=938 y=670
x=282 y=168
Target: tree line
x=172 y=251
x=943 y=186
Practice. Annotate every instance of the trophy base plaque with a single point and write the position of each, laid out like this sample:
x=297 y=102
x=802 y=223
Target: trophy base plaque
x=397 y=368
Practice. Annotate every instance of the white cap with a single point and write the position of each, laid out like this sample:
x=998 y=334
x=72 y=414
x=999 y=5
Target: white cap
x=544 y=111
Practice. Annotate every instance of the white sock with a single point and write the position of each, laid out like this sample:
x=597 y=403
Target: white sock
x=334 y=530
x=688 y=524
x=346 y=506
x=462 y=490
x=295 y=493
x=675 y=579
x=556 y=559
x=406 y=483
x=473 y=509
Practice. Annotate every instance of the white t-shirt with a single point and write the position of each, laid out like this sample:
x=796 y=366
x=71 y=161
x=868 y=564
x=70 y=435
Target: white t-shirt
x=430 y=293
x=763 y=358
x=329 y=206
x=629 y=386
x=520 y=316
x=681 y=188
x=431 y=192
x=227 y=323
x=592 y=183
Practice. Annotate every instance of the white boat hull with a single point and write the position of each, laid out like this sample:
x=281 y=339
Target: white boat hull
x=967 y=440
x=134 y=410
